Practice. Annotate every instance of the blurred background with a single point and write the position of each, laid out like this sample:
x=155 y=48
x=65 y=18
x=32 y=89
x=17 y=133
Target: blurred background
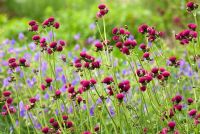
x=77 y=17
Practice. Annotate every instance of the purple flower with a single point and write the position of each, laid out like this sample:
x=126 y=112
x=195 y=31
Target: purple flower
x=70 y=110
x=63 y=79
x=37 y=56
x=21 y=36
x=77 y=36
x=92 y=110
x=46 y=96
x=149 y=44
x=62 y=107
x=44 y=68
x=6 y=82
x=77 y=47
x=112 y=112
x=75 y=82
x=90 y=40
x=22 y=109
x=37 y=97
x=84 y=107
x=31 y=82
x=28 y=56
x=51 y=36
x=32 y=46
x=131 y=37
x=63 y=89
x=13 y=42
x=99 y=100
x=92 y=26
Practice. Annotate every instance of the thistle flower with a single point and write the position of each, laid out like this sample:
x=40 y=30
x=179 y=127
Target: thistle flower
x=103 y=10
x=190 y=101
x=65 y=117
x=124 y=85
x=45 y=130
x=56 y=25
x=57 y=93
x=96 y=128
x=143 y=88
x=192 y=112
x=32 y=23
x=107 y=80
x=6 y=93
x=191 y=6
x=120 y=96
x=36 y=38
x=51 y=120
x=69 y=124
x=86 y=132
x=48 y=81
x=192 y=26
x=32 y=100
x=171 y=125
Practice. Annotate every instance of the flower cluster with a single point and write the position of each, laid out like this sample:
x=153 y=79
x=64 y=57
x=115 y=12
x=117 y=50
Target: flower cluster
x=145 y=77
x=103 y=10
x=150 y=32
x=191 y=6
x=188 y=35
x=7 y=108
x=86 y=61
x=48 y=46
x=120 y=36
x=173 y=61
x=56 y=127
x=13 y=63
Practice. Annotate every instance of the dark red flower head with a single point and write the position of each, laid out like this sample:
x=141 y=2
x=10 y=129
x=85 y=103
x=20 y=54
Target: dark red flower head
x=115 y=30
x=191 y=6
x=192 y=26
x=143 y=46
x=6 y=93
x=51 y=120
x=56 y=25
x=142 y=28
x=108 y=80
x=192 y=112
x=32 y=23
x=190 y=101
x=51 y=19
x=48 y=80
x=87 y=132
x=172 y=59
x=58 y=93
x=69 y=124
x=171 y=124
x=96 y=128
x=45 y=130
x=166 y=74
x=146 y=55
x=36 y=37
x=53 y=44
x=65 y=117
x=32 y=100
x=143 y=88
x=125 y=50
x=62 y=42
x=55 y=124
x=120 y=96
x=155 y=70
x=178 y=98
x=11 y=60
x=22 y=61
x=102 y=6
